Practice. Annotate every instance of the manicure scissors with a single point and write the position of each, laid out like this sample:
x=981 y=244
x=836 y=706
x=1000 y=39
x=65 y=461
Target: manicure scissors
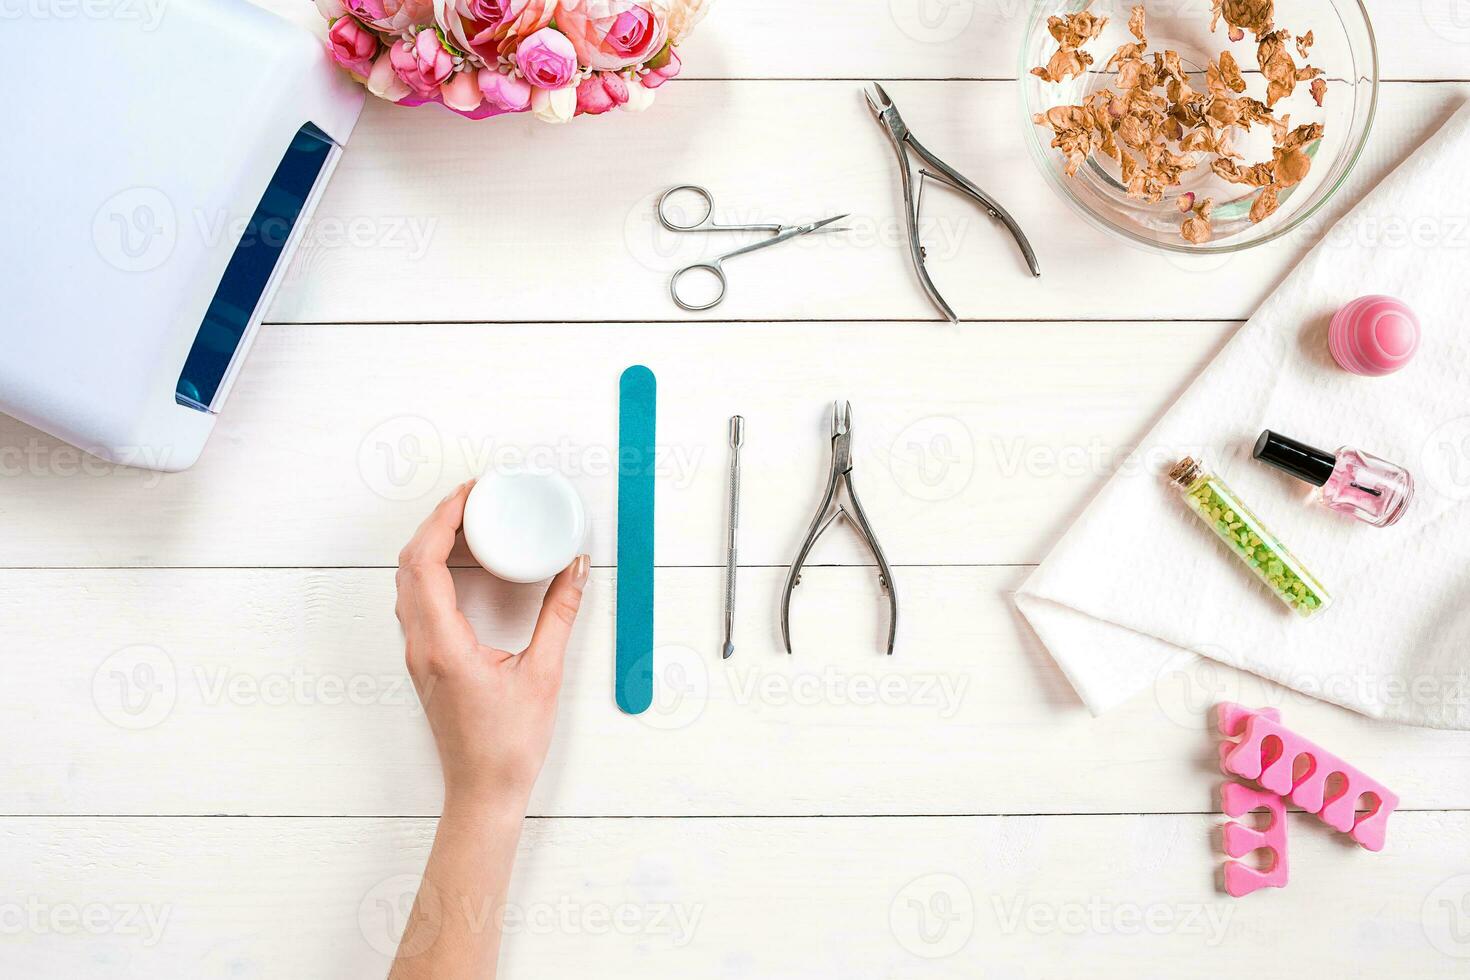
x=886 y=115
x=839 y=477
x=715 y=266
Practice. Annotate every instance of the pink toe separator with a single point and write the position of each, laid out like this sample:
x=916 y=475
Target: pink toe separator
x=1243 y=758
x=1238 y=799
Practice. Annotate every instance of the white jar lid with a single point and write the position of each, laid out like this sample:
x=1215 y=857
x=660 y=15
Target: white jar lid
x=524 y=527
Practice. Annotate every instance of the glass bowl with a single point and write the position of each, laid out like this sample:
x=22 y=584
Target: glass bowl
x=1344 y=48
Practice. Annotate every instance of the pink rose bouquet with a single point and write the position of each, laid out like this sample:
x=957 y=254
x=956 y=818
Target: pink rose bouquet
x=556 y=59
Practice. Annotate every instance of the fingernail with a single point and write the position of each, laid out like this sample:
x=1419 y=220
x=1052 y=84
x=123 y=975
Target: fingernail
x=580 y=569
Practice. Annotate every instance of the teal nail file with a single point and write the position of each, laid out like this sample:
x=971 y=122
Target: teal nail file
x=637 y=413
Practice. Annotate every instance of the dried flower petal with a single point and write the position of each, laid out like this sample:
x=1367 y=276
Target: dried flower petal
x=1075 y=30
x=1277 y=66
x=1158 y=127
x=1071 y=31
x=1066 y=63
x=1258 y=175
x=1252 y=15
x=1319 y=90
x=1136 y=18
x=1301 y=136
x=1196 y=228
x=1266 y=203
x=1291 y=166
x=1229 y=73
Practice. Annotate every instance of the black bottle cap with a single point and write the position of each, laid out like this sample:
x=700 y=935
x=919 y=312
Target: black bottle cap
x=1297 y=458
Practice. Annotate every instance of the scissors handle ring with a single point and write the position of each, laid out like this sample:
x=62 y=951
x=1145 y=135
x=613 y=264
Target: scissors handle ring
x=697 y=191
x=719 y=274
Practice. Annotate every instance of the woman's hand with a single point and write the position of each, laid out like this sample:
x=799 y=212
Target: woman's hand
x=492 y=712
x=492 y=715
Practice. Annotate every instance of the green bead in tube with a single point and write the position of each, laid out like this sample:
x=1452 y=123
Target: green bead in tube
x=1249 y=539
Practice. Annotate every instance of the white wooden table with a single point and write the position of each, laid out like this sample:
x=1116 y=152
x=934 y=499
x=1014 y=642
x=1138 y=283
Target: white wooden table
x=214 y=766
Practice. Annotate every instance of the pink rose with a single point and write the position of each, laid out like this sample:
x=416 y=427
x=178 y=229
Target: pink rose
x=505 y=91
x=547 y=58
x=493 y=13
x=663 y=67
x=600 y=92
x=391 y=15
x=422 y=63
x=462 y=92
x=482 y=26
x=353 y=46
x=384 y=82
x=613 y=34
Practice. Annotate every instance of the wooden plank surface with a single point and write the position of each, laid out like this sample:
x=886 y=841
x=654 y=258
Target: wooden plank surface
x=1013 y=897
x=970 y=39
x=974 y=443
x=283 y=692
x=489 y=238
x=222 y=641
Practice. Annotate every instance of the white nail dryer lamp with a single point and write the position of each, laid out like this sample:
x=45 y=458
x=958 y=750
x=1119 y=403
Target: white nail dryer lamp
x=160 y=164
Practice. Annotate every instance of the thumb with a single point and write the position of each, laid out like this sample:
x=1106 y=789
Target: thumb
x=558 y=614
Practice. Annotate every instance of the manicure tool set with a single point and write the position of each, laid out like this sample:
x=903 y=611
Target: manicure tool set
x=886 y=114
x=839 y=498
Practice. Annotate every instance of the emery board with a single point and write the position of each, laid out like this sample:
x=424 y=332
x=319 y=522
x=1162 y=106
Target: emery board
x=637 y=414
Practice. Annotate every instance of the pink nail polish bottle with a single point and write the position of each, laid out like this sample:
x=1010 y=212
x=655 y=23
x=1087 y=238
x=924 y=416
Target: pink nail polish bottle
x=1373 y=490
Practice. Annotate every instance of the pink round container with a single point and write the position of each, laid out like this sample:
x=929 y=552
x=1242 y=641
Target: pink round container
x=1373 y=335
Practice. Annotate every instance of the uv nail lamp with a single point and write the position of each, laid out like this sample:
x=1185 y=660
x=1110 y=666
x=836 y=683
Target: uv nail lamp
x=159 y=174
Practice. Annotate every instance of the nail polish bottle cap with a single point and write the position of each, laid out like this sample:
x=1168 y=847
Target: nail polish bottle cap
x=1297 y=458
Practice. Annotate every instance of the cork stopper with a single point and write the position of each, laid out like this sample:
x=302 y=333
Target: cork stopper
x=1185 y=472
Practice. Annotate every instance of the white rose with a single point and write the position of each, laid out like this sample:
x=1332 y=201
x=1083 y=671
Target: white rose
x=554 y=105
x=639 y=98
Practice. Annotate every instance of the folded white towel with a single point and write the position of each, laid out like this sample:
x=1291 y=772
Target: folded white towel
x=1139 y=577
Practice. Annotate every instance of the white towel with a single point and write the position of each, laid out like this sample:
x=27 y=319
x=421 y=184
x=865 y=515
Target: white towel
x=1138 y=577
